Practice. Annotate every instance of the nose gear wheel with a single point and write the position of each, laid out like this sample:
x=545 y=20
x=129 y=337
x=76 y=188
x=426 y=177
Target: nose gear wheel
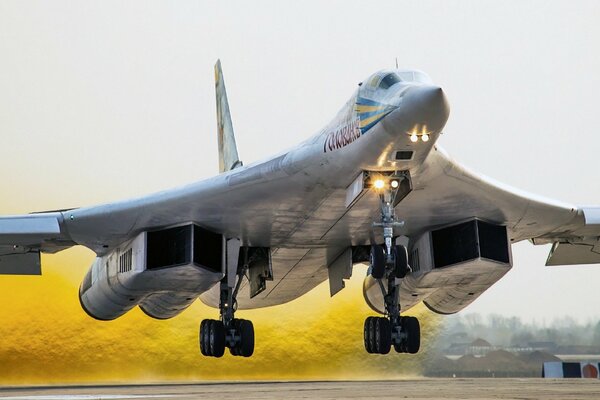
x=388 y=265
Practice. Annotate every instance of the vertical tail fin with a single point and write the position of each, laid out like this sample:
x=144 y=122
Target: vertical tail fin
x=228 y=155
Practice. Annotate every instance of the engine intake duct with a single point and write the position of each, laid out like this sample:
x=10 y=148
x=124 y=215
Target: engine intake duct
x=467 y=241
x=164 y=271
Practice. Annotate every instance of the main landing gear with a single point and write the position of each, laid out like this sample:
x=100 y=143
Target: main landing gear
x=389 y=264
x=228 y=331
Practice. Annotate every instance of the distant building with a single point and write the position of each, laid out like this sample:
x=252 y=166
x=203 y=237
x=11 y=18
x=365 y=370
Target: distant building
x=548 y=347
x=479 y=347
x=457 y=349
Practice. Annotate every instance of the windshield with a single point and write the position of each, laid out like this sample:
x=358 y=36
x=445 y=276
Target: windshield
x=415 y=76
x=389 y=80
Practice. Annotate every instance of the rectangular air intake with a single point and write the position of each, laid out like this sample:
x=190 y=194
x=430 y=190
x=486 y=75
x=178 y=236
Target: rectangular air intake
x=404 y=155
x=184 y=245
x=208 y=249
x=169 y=247
x=469 y=240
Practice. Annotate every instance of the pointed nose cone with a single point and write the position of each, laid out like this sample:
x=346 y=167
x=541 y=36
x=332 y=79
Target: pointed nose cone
x=429 y=101
x=422 y=106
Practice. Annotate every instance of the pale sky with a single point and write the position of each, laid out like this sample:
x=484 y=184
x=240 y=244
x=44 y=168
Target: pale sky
x=105 y=100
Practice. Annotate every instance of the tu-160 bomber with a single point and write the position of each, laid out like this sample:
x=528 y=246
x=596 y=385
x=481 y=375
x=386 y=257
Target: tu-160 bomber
x=371 y=187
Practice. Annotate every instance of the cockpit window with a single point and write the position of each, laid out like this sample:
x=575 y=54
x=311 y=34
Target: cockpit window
x=374 y=81
x=389 y=80
x=415 y=76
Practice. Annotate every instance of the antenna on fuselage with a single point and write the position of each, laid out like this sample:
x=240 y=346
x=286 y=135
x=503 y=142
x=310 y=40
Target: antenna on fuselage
x=396 y=62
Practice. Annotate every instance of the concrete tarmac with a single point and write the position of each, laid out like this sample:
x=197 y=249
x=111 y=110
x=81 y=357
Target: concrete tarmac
x=446 y=389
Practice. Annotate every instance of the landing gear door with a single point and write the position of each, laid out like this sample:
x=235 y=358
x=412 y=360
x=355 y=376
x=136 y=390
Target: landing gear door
x=259 y=270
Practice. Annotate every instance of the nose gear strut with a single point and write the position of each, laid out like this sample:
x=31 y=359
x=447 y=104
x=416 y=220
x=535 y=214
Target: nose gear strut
x=389 y=264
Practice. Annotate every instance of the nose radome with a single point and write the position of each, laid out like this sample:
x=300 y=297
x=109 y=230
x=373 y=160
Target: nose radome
x=427 y=96
x=422 y=106
x=427 y=103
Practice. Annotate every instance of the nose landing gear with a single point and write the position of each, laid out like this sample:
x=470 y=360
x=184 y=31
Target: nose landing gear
x=389 y=264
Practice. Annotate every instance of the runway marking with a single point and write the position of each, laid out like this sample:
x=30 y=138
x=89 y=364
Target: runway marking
x=89 y=397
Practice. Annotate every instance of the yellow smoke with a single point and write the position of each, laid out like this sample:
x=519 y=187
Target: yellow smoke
x=45 y=337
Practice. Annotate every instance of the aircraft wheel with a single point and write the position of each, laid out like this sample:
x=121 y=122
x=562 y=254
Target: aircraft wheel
x=245 y=346
x=377 y=261
x=401 y=261
x=377 y=335
x=217 y=339
x=246 y=330
x=202 y=335
x=383 y=335
x=367 y=334
x=212 y=338
x=413 y=342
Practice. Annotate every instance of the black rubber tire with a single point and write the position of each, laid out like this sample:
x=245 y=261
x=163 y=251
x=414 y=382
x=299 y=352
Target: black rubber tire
x=413 y=342
x=383 y=334
x=367 y=335
x=377 y=261
x=246 y=330
x=401 y=261
x=217 y=339
x=370 y=344
x=202 y=337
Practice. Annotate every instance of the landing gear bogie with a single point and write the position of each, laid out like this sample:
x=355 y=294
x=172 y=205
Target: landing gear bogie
x=228 y=331
x=215 y=337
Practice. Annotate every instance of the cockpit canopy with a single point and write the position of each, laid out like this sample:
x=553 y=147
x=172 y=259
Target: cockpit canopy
x=387 y=79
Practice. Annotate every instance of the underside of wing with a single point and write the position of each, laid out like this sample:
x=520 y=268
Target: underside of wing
x=294 y=272
x=450 y=192
x=23 y=238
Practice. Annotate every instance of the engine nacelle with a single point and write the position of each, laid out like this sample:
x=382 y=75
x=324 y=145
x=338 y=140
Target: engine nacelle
x=163 y=271
x=167 y=305
x=452 y=266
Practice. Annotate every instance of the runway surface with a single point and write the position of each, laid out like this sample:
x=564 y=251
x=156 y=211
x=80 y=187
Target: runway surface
x=447 y=389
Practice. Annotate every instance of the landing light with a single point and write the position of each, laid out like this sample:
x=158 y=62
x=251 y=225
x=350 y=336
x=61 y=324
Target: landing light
x=425 y=137
x=394 y=184
x=414 y=138
x=379 y=184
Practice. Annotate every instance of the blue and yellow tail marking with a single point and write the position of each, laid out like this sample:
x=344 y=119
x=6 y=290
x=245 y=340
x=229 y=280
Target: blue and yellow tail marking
x=370 y=112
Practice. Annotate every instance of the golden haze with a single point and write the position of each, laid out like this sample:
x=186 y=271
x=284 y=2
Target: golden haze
x=47 y=337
